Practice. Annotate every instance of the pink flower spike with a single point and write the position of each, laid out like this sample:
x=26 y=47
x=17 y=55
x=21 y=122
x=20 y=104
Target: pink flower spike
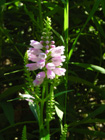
x=36 y=44
x=32 y=66
x=50 y=74
x=59 y=71
x=50 y=66
x=41 y=64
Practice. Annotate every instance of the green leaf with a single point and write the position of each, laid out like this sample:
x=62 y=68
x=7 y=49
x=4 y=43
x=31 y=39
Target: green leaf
x=34 y=110
x=90 y=67
x=96 y=4
x=59 y=112
x=10 y=91
x=89 y=132
x=96 y=112
x=63 y=92
x=45 y=135
x=24 y=132
x=85 y=82
x=99 y=27
x=103 y=6
x=8 y=111
x=59 y=36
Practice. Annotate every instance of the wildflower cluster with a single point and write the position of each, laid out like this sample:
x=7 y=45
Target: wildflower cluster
x=45 y=56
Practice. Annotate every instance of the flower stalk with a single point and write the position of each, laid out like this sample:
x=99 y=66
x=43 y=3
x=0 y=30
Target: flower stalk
x=47 y=59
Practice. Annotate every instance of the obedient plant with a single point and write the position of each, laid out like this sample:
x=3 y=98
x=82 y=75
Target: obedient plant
x=45 y=60
x=46 y=57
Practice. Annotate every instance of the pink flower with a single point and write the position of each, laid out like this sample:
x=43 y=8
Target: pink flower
x=52 y=46
x=57 y=51
x=33 y=58
x=47 y=51
x=36 y=44
x=47 y=47
x=32 y=66
x=59 y=71
x=50 y=66
x=52 y=42
x=34 y=51
x=42 y=56
x=47 y=42
x=41 y=42
x=41 y=63
x=39 y=78
x=50 y=74
x=58 y=59
x=40 y=75
x=36 y=82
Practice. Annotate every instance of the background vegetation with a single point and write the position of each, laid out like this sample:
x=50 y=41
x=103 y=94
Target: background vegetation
x=20 y=22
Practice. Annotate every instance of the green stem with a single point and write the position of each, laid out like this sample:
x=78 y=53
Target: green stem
x=41 y=123
x=47 y=119
x=66 y=31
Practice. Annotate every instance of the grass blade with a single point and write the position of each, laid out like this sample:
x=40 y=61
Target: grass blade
x=97 y=2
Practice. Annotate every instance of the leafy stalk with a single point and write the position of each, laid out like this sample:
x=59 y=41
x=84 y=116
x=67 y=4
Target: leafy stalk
x=66 y=30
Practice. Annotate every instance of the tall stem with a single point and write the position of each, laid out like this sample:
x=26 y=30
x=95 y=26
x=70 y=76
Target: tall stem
x=47 y=117
x=66 y=31
x=41 y=123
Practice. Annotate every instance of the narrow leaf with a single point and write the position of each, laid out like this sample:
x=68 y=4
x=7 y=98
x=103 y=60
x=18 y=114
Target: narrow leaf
x=63 y=92
x=59 y=112
x=85 y=82
x=10 y=91
x=90 y=67
x=8 y=111
x=96 y=4
x=89 y=132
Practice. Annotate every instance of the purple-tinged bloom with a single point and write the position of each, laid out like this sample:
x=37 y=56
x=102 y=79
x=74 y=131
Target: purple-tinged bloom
x=50 y=74
x=36 y=82
x=47 y=47
x=33 y=58
x=42 y=56
x=59 y=71
x=39 y=78
x=47 y=42
x=57 y=51
x=41 y=42
x=52 y=46
x=57 y=61
x=52 y=42
x=50 y=66
x=41 y=63
x=36 y=44
x=33 y=51
x=32 y=66
x=47 y=51
x=40 y=75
